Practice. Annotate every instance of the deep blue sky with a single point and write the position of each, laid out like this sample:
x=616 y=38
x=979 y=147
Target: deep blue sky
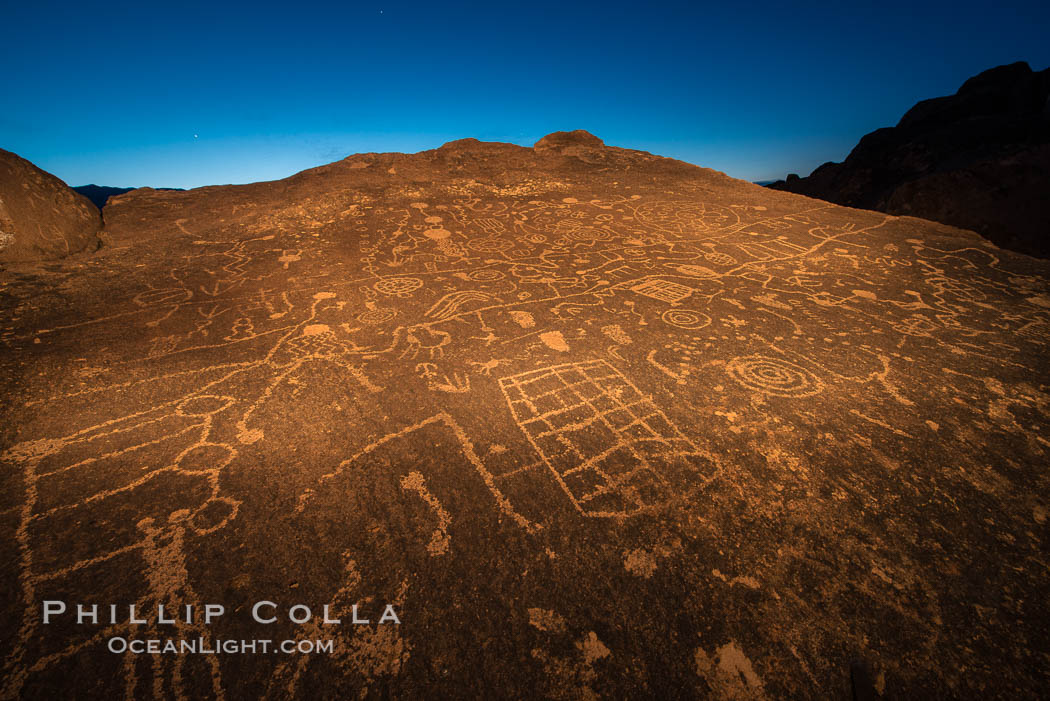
x=185 y=94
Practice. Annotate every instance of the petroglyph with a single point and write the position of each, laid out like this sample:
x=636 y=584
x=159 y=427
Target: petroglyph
x=398 y=286
x=774 y=376
x=611 y=450
x=438 y=544
x=686 y=319
x=664 y=290
x=554 y=340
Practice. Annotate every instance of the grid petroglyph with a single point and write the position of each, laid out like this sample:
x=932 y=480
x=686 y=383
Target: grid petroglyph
x=610 y=448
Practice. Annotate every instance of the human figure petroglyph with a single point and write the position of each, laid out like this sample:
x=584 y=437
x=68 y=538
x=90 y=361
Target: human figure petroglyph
x=160 y=548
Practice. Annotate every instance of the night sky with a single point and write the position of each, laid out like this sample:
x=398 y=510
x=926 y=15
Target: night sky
x=186 y=94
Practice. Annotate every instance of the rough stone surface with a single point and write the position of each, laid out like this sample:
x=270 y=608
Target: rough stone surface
x=979 y=160
x=41 y=218
x=568 y=142
x=606 y=425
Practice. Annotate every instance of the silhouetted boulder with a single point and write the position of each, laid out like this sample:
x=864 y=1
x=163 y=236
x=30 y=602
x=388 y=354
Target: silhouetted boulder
x=40 y=216
x=568 y=142
x=979 y=160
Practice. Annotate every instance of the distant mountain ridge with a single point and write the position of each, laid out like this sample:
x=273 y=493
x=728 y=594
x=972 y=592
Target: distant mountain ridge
x=100 y=194
x=978 y=160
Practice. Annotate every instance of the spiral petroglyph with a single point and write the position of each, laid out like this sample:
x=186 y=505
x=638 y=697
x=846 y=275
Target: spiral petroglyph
x=774 y=376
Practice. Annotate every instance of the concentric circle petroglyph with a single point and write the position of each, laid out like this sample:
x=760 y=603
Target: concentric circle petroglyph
x=398 y=285
x=686 y=319
x=589 y=234
x=774 y=376
x=486 y=275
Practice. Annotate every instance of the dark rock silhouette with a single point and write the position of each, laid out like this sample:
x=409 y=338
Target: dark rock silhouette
x=41 y=218
x=100 y=194
x=979 y=160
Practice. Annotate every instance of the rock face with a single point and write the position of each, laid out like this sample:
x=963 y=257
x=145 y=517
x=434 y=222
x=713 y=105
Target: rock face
x=41 y=218
x=979 y=160
x=594 y=423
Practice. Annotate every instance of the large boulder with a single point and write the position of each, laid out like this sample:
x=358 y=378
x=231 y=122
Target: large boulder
x=41 y=218
x=605 y=425
x=568 y=142
x=978 y=159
